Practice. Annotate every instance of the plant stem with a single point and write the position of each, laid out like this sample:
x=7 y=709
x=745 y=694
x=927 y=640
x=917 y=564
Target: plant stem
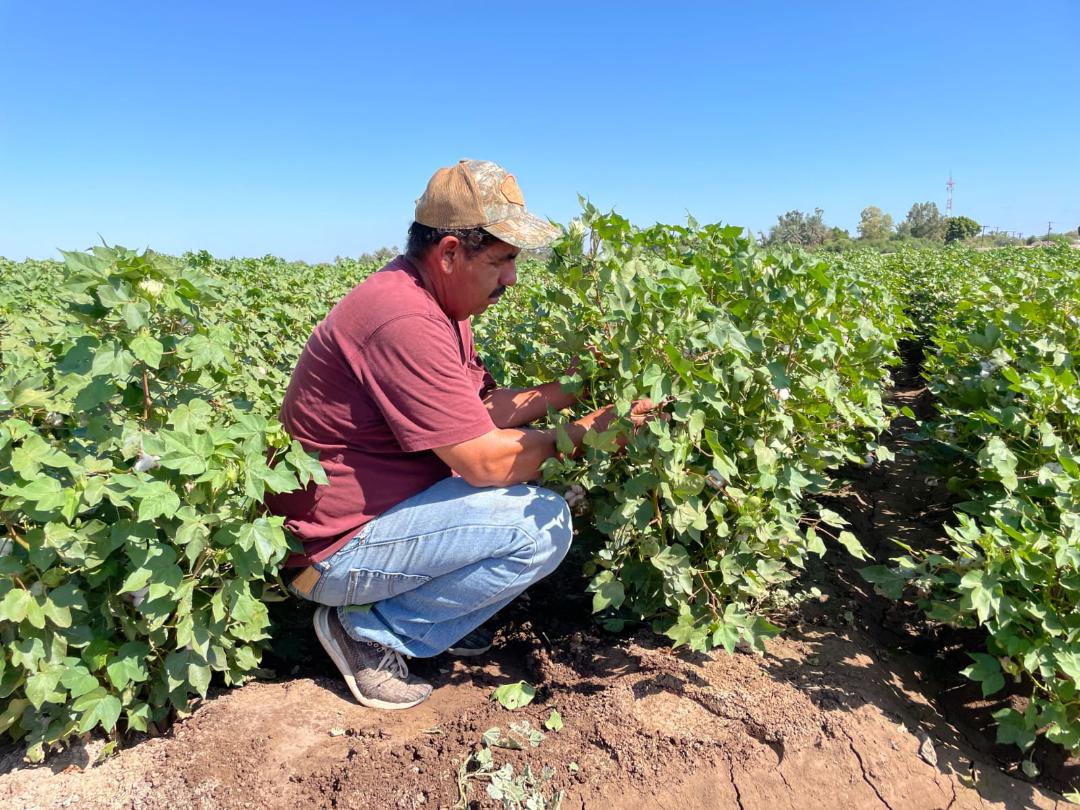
x=146 y=394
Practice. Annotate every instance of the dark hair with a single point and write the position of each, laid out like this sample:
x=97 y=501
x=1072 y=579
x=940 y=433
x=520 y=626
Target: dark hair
x=422 y=239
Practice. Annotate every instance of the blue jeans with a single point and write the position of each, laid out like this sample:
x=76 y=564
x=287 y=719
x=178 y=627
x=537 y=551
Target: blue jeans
x=441 y=563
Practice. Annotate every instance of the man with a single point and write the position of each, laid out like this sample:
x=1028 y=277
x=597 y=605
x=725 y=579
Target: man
x=390 y=392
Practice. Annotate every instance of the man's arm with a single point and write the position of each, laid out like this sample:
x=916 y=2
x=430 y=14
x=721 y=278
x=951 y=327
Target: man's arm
x=513 y=407
x=507 y=456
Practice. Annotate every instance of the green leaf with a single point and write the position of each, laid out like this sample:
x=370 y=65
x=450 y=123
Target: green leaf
x=853 y=546
x=12 y=712
x=97 y=707
x=814 y=543
x=554 y=721
x=15 y=604
x=147 y=349
x=156 y=499
x=986 y=671
x=129 y=664
x=607 y=592
x=563 y=442
x=268 y=540
x=41 y=687
x=186 y=671
x=514 y=695
x=78 y=681
x=831 y=518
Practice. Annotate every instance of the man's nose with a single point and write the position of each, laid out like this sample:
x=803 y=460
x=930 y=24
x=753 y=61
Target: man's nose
x=509 y=277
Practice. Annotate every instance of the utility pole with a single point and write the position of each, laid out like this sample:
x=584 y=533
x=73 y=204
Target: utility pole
x=948 y=202
x=1049 y=225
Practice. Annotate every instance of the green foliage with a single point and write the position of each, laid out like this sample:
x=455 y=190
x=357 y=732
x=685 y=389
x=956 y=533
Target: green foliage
x=875 y=223
x=514 y=695
x=771 y=368
x=1005 y=335
x=923 y=221
x=797 y=228
x=134 y=556
x=957 y=229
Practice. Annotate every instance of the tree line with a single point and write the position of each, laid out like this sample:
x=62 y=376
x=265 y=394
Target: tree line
x=923 y=224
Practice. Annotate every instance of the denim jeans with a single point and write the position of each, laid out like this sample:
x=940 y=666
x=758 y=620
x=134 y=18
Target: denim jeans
x=439 y=564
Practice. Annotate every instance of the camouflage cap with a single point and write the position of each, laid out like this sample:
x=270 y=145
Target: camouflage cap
x=481 y=194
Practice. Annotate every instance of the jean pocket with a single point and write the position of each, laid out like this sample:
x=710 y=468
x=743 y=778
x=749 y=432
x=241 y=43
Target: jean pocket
x=366 y=586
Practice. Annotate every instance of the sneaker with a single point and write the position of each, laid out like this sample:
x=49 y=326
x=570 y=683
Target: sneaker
x=377 y=676
x=477 y=642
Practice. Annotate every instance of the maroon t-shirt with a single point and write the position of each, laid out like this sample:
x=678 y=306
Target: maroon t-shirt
x=383 y=379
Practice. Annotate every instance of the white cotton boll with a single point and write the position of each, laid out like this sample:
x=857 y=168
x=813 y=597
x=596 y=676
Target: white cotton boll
x=783 y=394
x=151 y=287
x=575 y=495
x=53 y=419
x=1055 y=468
x=869 y=460
x=748 y=443
x=985 y=367
x=37 y=588
x=145 y=463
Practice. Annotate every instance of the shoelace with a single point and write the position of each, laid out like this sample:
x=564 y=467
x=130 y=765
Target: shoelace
x=393 y=662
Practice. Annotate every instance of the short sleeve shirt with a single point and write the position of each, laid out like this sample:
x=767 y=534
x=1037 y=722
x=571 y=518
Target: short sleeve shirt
x=386 y=377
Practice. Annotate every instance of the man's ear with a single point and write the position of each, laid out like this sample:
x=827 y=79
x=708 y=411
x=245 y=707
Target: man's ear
x=449 y=247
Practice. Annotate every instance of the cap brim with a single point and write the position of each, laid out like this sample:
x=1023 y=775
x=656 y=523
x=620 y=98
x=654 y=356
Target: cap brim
x=527 y=231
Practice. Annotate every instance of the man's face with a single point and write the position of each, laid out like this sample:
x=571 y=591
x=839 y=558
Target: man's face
x=478 y=280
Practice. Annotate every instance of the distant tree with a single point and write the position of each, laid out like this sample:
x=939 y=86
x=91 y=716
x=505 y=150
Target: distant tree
x=923 y=221
x=960 y=228
x=383 y=254
x=797 y=228
x=874 y=223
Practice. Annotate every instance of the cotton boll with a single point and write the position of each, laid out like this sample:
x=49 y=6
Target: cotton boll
x=151 y=287
x=576 y=228
x=783 y=394
x=145 y=463
x=575 y=498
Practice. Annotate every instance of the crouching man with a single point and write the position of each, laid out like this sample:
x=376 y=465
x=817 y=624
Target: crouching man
x=391 y=394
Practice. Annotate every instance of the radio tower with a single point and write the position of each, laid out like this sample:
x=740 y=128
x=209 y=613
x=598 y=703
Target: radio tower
x=948 y=202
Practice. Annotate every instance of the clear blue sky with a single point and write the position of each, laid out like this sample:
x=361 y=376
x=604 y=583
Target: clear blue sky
x=307 y=130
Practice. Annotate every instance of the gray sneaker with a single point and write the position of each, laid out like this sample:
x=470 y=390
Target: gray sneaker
x=377 y=676
x=476 y=642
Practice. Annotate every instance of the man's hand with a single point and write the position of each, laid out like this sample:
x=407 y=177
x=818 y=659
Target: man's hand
x=575 y=364
x=641 y=411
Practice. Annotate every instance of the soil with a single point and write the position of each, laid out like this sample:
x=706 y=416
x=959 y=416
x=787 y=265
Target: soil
x=858 y=704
